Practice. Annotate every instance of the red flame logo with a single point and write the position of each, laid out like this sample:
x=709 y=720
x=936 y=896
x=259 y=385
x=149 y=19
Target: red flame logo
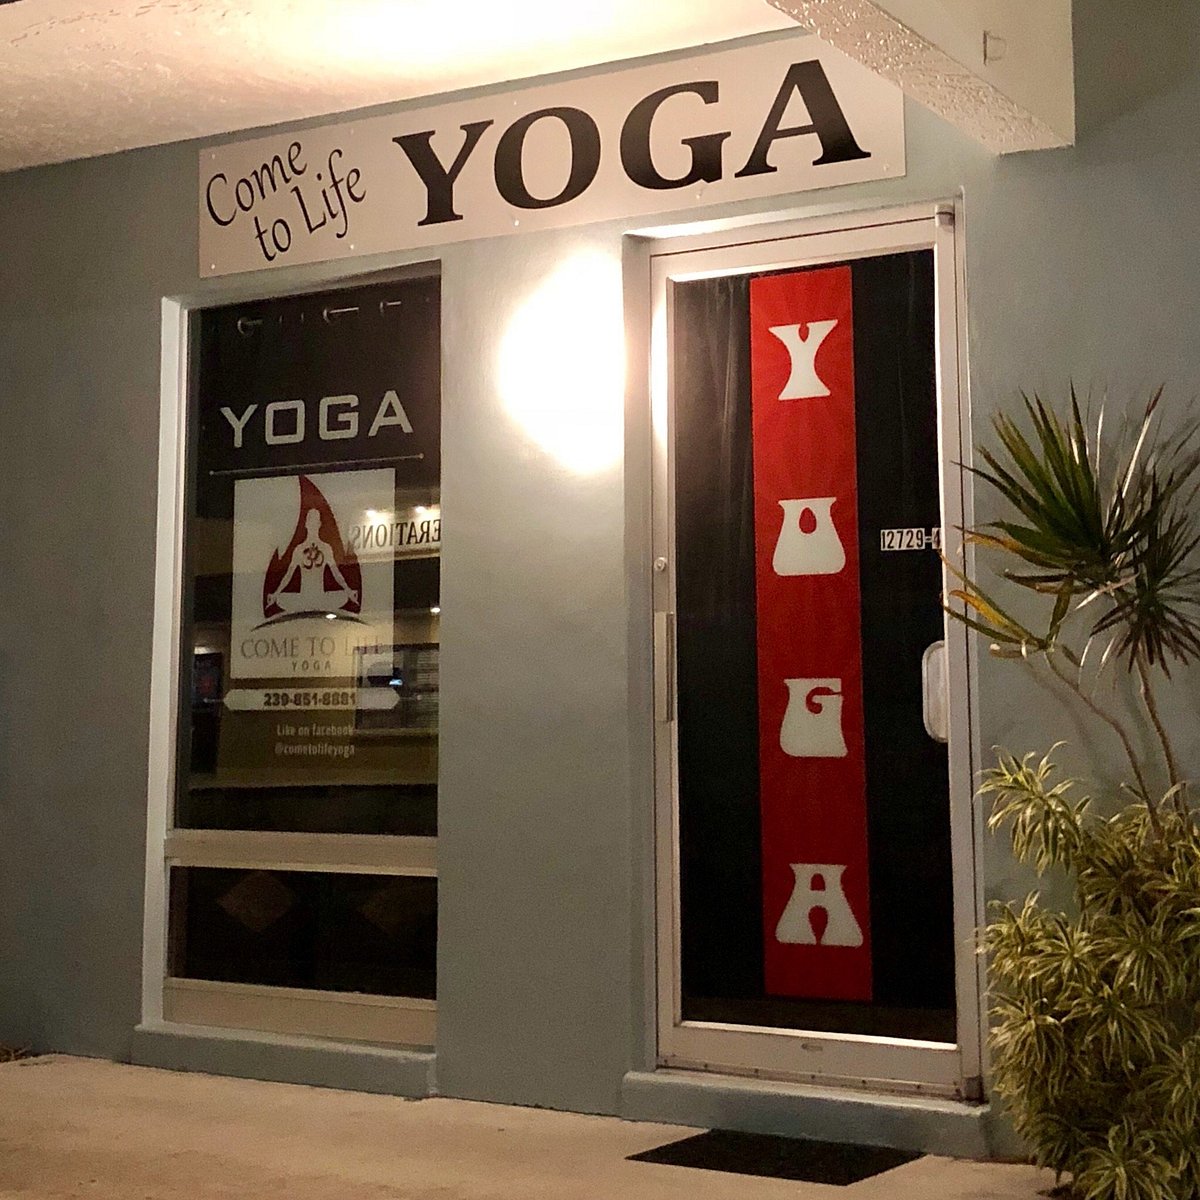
x=316 y=572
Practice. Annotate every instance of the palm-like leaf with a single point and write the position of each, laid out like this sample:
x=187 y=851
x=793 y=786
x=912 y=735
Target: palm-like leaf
x=1156 y=612
x=1115 y=534
x=1079 y=520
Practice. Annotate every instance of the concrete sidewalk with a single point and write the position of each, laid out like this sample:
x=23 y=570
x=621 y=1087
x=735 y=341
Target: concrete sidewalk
x=73 y=1127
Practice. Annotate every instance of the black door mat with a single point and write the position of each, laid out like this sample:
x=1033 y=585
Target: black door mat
x=799 y=1159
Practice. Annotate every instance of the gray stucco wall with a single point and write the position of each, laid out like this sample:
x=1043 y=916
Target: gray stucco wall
x=1081 y=264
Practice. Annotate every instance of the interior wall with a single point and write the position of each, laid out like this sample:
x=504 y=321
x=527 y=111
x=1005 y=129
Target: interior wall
x=1081 y=266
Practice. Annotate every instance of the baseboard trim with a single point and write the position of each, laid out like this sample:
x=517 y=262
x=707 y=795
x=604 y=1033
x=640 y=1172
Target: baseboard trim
x=928 y=1124
x=283 y=1058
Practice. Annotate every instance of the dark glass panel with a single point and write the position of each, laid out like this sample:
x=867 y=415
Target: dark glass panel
x=332 y=394
x=718 y=738
x=305 y=929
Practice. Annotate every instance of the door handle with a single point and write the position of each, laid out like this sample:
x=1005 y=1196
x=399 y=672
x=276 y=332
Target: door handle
x=935 y=706
x=664 y=667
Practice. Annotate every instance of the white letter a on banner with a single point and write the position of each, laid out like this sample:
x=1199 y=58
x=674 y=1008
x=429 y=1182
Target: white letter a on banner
x=795 y=926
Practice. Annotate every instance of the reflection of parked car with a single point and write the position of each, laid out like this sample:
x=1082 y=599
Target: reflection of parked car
x=412 y=674
x=208 y=691
x=207 y=678
x=382 y=672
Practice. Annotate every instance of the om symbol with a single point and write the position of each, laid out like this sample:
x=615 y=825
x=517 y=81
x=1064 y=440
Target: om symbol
x=313 y=556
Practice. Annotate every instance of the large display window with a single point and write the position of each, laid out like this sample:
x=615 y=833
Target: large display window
x=300 y=881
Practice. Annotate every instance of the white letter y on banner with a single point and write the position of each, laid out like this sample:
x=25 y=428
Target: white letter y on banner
x=804 y=383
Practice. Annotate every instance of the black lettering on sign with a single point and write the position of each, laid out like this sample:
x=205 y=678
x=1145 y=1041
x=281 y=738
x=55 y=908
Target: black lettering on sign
x=635 y=141
x=437 y=178
x=260 y=181
x=828 y=122
x=585 y=158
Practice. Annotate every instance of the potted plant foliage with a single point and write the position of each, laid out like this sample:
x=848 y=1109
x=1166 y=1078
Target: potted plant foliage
x=1096 y=1002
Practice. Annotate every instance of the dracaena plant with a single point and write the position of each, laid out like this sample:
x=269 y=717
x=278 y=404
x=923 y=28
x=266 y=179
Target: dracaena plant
x=1096 y=1010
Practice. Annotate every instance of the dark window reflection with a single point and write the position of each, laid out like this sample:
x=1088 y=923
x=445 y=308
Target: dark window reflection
x=305 y=929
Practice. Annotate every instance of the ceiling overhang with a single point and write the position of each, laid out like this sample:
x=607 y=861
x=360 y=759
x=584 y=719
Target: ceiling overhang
x=85 y=77
x=1000 y=70
x=89 y=77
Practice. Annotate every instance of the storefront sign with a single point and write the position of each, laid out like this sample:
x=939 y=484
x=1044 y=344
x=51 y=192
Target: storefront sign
x=812 y=762
x=304 y=603
x=784 y=116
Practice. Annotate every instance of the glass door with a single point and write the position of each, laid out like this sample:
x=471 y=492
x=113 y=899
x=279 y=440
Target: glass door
x=816 y=898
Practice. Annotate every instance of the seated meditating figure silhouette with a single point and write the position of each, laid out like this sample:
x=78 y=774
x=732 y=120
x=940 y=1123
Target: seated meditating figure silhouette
x=311 y=559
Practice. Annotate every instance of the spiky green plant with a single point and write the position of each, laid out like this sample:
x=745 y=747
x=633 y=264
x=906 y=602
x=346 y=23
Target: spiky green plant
x=1096 y=1011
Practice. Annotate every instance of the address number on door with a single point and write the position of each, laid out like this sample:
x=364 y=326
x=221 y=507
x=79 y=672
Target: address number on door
x=910 y=539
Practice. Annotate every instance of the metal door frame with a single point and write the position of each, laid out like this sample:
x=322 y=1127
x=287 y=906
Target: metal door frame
x=878 y=1063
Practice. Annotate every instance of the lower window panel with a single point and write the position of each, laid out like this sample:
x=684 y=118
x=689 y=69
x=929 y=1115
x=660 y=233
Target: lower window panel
x=321 y=930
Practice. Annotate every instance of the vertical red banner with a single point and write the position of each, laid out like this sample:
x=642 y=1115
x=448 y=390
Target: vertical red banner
x=816 y=901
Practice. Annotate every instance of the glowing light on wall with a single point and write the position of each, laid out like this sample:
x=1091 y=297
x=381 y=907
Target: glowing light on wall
x=561 y=368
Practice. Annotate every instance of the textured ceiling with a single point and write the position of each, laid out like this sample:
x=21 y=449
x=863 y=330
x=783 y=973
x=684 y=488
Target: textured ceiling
x=79 y=79
x=964 y=95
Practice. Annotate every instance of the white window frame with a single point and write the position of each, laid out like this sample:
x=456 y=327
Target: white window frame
x=170 y=1002
x=875 y=1063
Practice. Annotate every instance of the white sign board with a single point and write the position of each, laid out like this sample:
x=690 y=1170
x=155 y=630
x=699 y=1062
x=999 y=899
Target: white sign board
x=784 y=116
